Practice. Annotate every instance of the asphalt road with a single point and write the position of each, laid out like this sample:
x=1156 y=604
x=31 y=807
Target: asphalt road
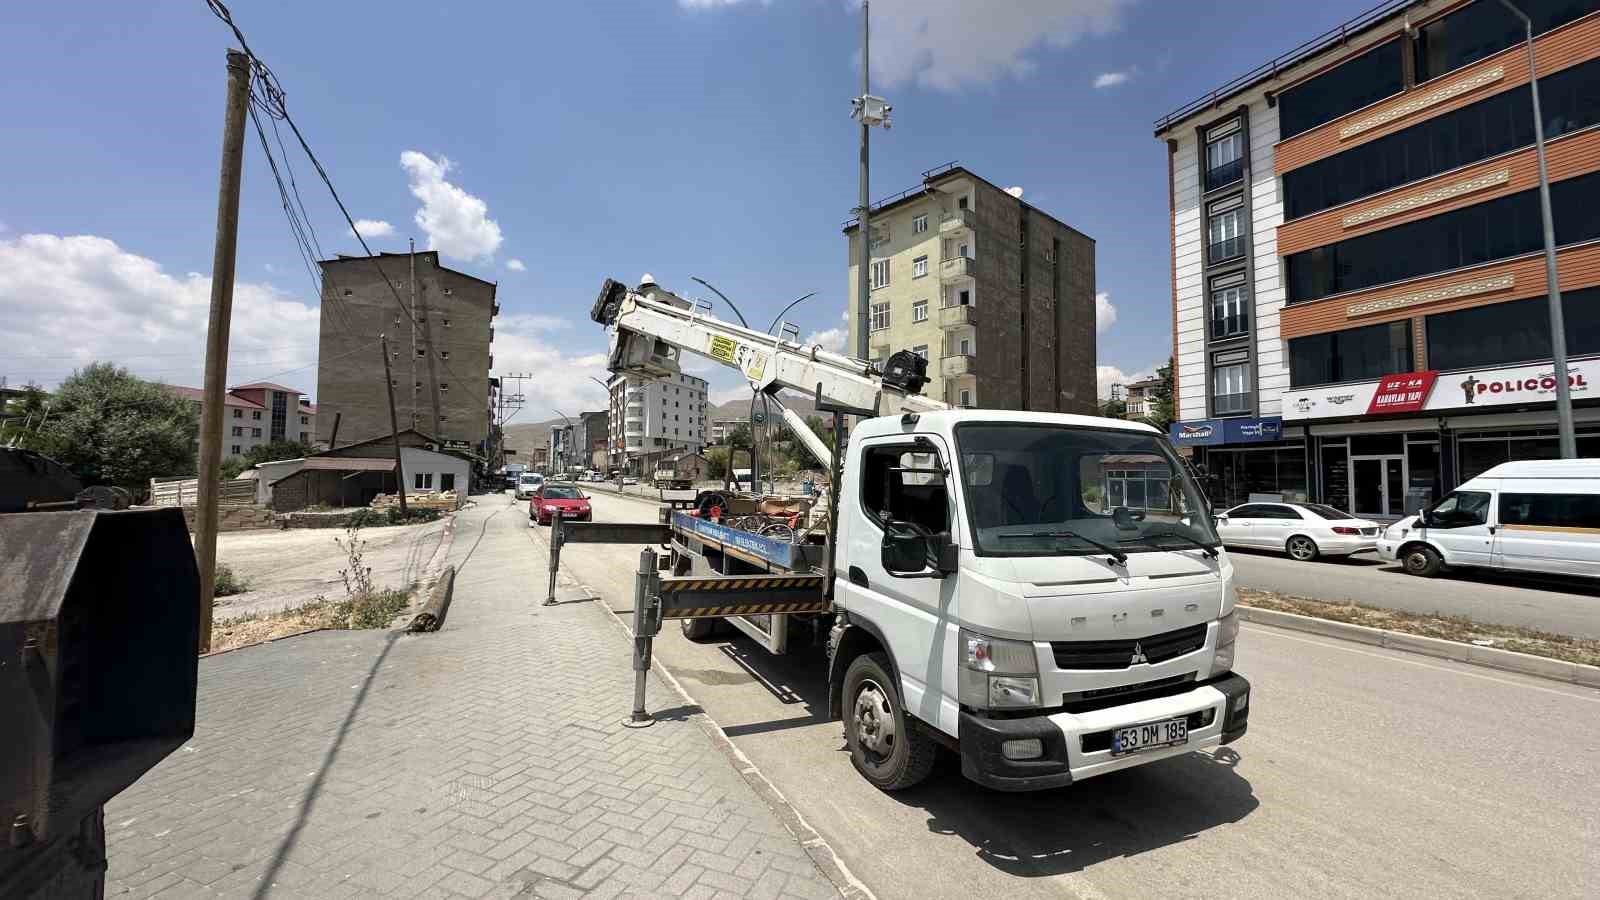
x=1561 y=605
x=1365 y=772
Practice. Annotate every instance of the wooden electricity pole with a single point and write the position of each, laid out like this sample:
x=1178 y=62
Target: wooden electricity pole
x=394 y=428
x=222 y=268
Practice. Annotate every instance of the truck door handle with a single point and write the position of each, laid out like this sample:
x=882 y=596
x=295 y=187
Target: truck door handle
x=858 y=577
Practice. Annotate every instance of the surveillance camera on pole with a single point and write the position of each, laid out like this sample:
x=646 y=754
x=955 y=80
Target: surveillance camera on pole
x=870 y=110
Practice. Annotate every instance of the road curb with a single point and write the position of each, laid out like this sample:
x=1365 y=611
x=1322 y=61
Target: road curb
x=1438 y=648
x=822 y=854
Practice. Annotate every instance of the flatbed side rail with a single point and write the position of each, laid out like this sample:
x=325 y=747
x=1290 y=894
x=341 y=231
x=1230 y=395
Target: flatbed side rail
x=720 y=596
x=779 y=554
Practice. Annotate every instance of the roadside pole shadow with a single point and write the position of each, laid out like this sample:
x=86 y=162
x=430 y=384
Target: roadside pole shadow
x=1069 y=829
x=308 y=802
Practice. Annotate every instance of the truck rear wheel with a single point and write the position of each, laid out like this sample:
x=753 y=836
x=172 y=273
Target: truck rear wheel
x=698 y=629
x=886 y=747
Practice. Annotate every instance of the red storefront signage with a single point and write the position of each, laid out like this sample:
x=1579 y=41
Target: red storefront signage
x=1403 y=393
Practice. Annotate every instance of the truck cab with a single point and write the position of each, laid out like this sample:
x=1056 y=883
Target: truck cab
x=1043 y=593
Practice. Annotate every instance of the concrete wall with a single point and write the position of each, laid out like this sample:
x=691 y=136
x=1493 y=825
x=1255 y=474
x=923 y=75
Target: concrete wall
x=357 y=306
x=430 y=467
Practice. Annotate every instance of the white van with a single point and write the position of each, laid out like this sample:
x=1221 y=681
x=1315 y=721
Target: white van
x=1532 y=516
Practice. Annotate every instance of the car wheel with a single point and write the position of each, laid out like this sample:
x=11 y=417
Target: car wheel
x=1302 y=548
x=1420 y=559
x=886 y=747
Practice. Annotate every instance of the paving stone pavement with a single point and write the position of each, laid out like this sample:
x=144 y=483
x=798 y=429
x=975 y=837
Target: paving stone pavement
x=485 y=760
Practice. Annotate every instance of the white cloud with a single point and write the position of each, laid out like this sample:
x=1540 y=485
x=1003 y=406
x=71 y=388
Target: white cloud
x=516 y=265
x=456 y=222
x=1015 y=191
x=371 y=228
x=74 y=300
x=269 y=267
x=1106 y=376
x=1105 y=312
x=561 y=373
x=1112 y=79
x=829 y=339
x=944 y=44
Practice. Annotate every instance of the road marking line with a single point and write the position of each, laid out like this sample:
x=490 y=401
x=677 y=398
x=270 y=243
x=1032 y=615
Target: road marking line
x=1263 y=629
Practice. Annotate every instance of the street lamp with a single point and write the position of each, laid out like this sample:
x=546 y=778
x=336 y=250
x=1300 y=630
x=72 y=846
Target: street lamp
x=724 y=299
x=1558 y=330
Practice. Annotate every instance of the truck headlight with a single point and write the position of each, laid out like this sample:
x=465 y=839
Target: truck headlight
x=1227 y=636
x=997 y=673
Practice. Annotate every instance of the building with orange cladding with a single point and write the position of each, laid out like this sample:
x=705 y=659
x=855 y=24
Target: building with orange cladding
x=1360 y=308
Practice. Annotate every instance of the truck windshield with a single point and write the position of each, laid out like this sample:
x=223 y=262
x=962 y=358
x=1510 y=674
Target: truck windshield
x=1026 y=485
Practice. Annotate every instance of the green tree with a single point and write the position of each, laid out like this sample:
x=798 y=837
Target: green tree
x=716 y=462
x=232 y=466
x=273 y=451
x=739 y=436
x=1159 y=398
x=1114 y=409
x=21 y=417
x=110 y=427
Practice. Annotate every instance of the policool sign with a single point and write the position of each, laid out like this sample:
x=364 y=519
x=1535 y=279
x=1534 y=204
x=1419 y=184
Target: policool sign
x=1441 y=391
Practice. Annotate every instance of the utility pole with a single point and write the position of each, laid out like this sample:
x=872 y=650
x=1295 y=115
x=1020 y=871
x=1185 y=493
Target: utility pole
x=864 y=211
x=394 y=428
x=222 y=269
x=427 y=346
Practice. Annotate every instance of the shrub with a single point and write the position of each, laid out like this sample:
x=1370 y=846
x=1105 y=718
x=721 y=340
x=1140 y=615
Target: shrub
x=225 y=584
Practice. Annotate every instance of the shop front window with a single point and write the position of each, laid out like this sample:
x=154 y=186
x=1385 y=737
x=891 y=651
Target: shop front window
x=1235 y=476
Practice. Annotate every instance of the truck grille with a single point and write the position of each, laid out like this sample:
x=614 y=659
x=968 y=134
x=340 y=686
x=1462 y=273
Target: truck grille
x=1119 y=654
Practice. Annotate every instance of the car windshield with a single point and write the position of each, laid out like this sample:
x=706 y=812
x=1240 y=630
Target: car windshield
x=561 y=492
x=531 y=479
x=1327 y=512
x=1027 y=486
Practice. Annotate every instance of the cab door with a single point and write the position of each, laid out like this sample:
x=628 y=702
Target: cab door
x=902 y=478
x=1460 y=526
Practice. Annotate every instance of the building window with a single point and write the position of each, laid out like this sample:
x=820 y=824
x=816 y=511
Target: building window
x=444 y=386
x=1355 y=354
x=1345 y=88
x=1482 y=29
x=964 y=297
x=1230 y=384
x=880 y=316
x=255 y=432
x=966 y=397
x=235 y=449
x=238 y=431
x=305 y=420
x=447 y=481
x=446 y=322
x=964 y=347
x=349 y=293
x=421 y=353
x=880 y=274
x=919 y=224
x=448 y=292
x=919 y=267
x=1224 y=224
x=255 y=414
x=919 y=311
x=961 y=202
x=1494 y=125
x=1514 y=332
x=424 y=481
x=1224 y=154
x=444 y=354
x=1230 y=308
x=921 y=350
x=1495 y=229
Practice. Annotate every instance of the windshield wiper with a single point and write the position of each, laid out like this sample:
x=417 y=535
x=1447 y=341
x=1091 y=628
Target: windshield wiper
x=1206 y=550
x=1120 y=557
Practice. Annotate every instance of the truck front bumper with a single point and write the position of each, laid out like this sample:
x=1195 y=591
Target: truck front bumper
x=1076 y=746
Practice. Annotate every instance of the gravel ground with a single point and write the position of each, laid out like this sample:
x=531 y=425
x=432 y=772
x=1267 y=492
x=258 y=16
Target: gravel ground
x=286 y=569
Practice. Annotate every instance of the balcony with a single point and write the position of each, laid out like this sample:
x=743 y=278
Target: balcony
x=956 y=365
x=1225 y=174
x=957 y=220
x=955 y=314
x=1222 y=251
x=957 y=268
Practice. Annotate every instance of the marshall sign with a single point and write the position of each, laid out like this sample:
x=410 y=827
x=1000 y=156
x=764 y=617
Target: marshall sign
x=1428 y=392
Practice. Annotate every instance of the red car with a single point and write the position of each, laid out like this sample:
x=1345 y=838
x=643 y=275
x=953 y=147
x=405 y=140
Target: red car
x=565 y=497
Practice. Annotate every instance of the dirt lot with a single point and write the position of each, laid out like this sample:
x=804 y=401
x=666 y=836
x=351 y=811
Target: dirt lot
x=286 y=569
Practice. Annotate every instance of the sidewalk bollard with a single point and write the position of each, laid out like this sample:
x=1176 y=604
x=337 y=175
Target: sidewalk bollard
x=555 y=555
x=645 y=624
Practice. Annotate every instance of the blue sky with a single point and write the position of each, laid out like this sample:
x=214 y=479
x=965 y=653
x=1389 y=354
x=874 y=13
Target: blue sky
x=579 y=140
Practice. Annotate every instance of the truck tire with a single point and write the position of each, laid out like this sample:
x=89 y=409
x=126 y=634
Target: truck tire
x=886 y=746
x=1420 y=559
x=698 y=629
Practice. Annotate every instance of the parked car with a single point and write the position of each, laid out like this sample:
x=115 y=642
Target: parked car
x=630 y=479
x=1305 y=531
x=528 y=485
x=564 y=496
x=1529 y=516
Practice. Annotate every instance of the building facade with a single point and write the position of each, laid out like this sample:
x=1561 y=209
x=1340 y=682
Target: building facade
x=652 y=418
x=1359 y=298
x=259 y=413
x=995 y=294
x=594 y=440
x=439 y=332
x=1139 y=399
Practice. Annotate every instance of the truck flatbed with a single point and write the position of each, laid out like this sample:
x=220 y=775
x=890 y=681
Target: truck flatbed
x=770 y=554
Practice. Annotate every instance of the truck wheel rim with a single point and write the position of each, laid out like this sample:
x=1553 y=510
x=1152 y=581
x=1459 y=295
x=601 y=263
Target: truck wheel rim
x=1300 y=548
x=874 y=719
x=1416 y=561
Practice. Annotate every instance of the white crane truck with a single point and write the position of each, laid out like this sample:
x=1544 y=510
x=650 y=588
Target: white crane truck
x=1044 y=594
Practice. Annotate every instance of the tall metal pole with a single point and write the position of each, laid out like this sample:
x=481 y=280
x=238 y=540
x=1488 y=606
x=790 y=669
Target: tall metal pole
x=413 y=283
x=1558 y=329
x=222 y=269
x=394 y=429
x=864 y=211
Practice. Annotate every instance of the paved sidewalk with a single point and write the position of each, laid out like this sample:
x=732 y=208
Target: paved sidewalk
x=487 y=759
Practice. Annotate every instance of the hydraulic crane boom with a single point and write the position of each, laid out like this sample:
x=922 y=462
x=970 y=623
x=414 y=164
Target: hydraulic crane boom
x=652 y=326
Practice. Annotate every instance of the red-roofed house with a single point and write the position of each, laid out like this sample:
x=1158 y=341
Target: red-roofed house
x=259 y=413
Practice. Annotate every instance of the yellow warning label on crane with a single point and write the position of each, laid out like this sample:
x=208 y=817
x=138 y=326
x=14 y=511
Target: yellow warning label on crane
x=725 y=349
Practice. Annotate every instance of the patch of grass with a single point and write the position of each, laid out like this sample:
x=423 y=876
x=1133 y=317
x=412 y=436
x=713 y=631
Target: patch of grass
x=226 y=584
x=376 y=610
x=1450 y=628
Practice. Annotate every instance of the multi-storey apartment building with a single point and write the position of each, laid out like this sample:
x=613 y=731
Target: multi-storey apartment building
x=259 y=413
x=650 y=418
x=439 y=336
x=996 y=294
x=1359 y=296
x=1138 y=398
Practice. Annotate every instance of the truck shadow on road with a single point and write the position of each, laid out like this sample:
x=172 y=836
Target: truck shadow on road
x=1069 y=829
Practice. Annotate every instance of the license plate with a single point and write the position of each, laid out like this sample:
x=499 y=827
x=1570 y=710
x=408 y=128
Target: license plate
x=1149 y=736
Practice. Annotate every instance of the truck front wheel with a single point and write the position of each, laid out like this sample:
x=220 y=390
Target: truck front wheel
x=886 y=747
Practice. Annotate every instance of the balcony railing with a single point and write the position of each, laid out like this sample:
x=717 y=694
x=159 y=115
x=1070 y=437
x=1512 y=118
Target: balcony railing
x=1229 y=404
x=956 y=365
x=957 y=220
x=1230 y=326
x=955 y=314
x=1221 y=251
x=1227 y=173
x=958 y=267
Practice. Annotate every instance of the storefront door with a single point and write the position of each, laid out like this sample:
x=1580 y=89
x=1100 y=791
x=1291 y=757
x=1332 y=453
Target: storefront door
x=1378 y=485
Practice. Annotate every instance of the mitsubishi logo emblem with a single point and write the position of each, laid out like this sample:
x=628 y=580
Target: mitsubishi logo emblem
x=1138 y=655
